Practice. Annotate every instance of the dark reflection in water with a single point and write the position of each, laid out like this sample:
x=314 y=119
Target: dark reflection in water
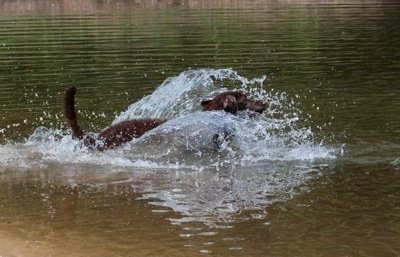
x=336 y=64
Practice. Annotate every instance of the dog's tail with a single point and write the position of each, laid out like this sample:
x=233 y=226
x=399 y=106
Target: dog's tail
x=70 y=113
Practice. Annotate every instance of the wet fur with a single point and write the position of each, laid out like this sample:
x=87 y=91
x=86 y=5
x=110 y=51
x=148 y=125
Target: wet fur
x=110 y=137
x=125 y=131
x=233 y=101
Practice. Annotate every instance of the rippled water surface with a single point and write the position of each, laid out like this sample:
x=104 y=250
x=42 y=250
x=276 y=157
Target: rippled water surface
x=317 y=174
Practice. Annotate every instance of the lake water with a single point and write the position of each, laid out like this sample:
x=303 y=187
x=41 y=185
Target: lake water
x=317 y=174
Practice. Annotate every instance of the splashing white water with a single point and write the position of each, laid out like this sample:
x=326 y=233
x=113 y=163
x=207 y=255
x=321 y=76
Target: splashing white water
x=274 y=135
x=261 y=157
x=187 y=138
x=178 y=96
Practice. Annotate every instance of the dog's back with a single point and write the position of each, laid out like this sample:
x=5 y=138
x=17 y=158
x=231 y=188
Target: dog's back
x=125 y=131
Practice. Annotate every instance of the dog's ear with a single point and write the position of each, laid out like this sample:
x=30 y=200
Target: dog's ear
x=204 y=104
x=228 y=101
x=230 y=104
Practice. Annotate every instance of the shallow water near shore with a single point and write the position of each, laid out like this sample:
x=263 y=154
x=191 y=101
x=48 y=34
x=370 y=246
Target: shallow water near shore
x=316 y=174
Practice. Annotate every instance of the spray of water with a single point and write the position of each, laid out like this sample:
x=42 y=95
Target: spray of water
x=259 y=159
x=188 y=137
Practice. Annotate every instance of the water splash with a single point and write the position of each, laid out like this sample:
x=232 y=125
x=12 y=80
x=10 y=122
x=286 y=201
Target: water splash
x=274 y=135
x=187 y=139
x=181 y=95
x=260 y=159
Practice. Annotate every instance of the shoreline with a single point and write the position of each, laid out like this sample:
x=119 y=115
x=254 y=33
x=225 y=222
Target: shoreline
x=11 y=8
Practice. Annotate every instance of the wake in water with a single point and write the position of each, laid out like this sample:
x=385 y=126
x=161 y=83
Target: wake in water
x=187 y=138
x=265 y=158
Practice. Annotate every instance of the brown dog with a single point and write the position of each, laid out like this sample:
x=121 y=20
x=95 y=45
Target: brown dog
x=122 y=132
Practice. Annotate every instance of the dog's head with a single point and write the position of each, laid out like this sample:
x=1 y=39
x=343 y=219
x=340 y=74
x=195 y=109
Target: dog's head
x=232 y=102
